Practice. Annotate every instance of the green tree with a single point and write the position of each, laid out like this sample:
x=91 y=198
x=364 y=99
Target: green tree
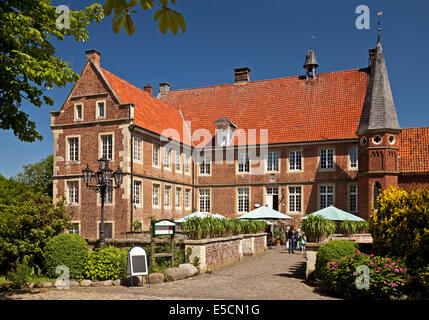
x=167 y=17
x=38 y=176
x=28 y=65
x=26 y=227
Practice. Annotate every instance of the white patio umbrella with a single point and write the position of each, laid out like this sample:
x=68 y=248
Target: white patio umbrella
x=264 y=213
x=199 y=215
x=335 y=214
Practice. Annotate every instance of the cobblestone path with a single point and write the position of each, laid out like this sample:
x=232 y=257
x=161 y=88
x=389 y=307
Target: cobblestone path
x=273 y=275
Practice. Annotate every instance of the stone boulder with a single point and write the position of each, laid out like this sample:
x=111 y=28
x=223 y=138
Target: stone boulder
x=176 y=273
x=86 y=283
x=189 y=268
x=73 y=283
x=117 y=282
x=137 y=281
x=156 y=278
x=45 y=284
x=102 y=283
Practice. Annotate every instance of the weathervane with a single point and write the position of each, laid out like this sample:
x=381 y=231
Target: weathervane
x=380 y=14
x=311 y=41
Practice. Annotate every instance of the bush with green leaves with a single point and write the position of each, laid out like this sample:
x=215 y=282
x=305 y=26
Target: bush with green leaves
x=334 y=249
x=21 y=275
x=316 y=227
x=349 y=227
x=70 y=250
x=106 y=263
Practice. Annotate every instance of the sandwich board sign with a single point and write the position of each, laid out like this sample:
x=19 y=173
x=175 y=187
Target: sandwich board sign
x=164 y=228
x=137 y=263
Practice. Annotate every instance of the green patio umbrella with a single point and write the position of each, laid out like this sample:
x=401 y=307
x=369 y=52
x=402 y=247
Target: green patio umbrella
x=335 y=214
x=264 y=213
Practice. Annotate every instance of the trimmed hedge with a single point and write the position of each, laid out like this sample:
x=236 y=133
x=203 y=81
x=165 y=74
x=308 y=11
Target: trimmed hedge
x=335 y=249
x=70 y=250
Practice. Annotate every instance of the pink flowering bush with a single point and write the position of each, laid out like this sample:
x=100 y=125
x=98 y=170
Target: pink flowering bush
x=388 y=277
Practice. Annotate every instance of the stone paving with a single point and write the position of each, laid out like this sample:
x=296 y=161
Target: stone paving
x=273 y=275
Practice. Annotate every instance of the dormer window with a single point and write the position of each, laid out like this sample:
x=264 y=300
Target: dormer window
x=224 y=132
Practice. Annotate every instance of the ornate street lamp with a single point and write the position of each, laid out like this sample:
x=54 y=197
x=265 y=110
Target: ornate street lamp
x=104 y=184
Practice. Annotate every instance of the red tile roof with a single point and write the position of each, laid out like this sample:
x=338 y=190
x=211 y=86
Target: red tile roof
x=291 y=109
x=414 y=150
x=149 y=112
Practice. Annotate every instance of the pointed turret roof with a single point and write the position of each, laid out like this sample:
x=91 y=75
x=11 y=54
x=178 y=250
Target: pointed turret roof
x=379 y=109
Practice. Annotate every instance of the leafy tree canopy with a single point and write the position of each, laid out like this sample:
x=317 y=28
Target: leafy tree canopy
x=28 y=65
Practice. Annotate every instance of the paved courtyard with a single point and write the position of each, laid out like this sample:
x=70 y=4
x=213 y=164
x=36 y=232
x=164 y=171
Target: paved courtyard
x=273 y=275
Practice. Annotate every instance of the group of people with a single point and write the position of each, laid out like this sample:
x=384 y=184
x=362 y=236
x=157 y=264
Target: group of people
x=295 y=240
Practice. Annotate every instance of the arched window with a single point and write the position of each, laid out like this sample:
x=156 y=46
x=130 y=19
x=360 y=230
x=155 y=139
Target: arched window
x=376 y=192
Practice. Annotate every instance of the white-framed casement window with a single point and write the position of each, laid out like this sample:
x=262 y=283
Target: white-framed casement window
x=100 y=109
x=326 y=196
x=243 y=200
x=187 y=198
x=178 y=198
x=137 y=188
x=137 y=149
x=295 y=160
x=353 y=198
x=109 y=196
x=295 y=199
x=73 y=192
x=205 y=163
x=186 y=162
x=155 y=155
x=273 y=162
x=243 y=163
x=155 y=195
x=73 y=149
x=167 y=196
x=326 y=159
x=167 y=159
x=74 y=227
x=177 y=162
x=78 y=112
x=353 y=158
x=107 y=146
x=204 y=200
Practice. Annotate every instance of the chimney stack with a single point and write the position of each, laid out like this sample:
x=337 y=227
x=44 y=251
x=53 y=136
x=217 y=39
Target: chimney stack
x=242 y=75
x=94 y=55
x=149 y=89
x=164 y=87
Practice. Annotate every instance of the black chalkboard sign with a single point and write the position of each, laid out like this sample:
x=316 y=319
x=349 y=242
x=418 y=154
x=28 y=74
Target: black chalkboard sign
x=139 y=264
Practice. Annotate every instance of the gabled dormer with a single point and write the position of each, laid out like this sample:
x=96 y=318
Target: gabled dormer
x=224 y=132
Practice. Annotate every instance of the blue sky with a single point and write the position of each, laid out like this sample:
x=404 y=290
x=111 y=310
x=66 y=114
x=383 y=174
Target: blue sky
x=271 y=37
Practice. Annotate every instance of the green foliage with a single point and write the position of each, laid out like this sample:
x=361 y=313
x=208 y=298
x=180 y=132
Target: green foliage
x=137 y=225
x=26 y=227
x=400 y=227
x=28 y=64
x=168 y=18
x=334 y=249
x=210 y=227
x=21 y=275
x=38 y=176
x=278 y=235
x=348 y=227
x=388 y=278
x=70 y=250
x=106 y=263
x=316 y=227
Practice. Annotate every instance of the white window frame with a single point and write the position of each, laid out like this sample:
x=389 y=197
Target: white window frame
x=178 y=197
x=97 y=109
x=76 y=105
x=106 y=222
x=100 y=139
x=187 y=199
x=156 y=150
x=156 y=195
x=273 y=163
x=205 y=168
x=242 y=195
x=77 y=183
x=243 y=163
x=68 y=148
x=297 y=198
x=351 y=167
x=356 y=194
x=167 y=205
x=325 y=194
x=177 y=156
x=326 y=162
x=78 y=224
x=292 y=161
x=186 y=163
x=138 y=149
x=137 y=195
x=167 y=159
x=205 y=200
x=108 y=194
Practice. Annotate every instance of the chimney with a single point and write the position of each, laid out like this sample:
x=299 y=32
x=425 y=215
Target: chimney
x=372 y=53
x=242 y=75
x=149 y=89
x=164 y=87
x=94 y=55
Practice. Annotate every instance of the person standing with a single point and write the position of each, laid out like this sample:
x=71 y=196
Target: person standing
x=295 y=240
x=303 y=242
x=291 y=237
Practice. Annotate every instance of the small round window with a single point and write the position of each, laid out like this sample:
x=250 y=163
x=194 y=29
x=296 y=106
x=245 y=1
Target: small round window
x=363 y=141
x=377 y=139
x=392 y=139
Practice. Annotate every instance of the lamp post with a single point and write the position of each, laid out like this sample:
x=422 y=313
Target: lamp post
x=104 y=184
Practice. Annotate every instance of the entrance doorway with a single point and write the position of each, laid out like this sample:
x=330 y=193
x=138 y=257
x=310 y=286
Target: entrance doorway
x=273 y=198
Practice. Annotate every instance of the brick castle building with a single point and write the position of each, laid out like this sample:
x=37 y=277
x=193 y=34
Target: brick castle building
x=297 y=144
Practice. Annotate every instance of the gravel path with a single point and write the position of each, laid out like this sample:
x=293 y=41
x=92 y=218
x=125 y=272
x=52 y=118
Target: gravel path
x=273 y=275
